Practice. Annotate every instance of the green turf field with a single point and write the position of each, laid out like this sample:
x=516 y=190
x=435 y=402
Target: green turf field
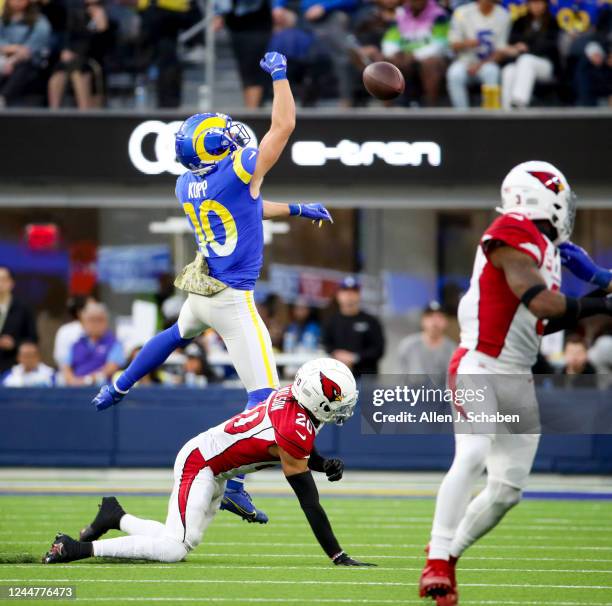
x=545 y=552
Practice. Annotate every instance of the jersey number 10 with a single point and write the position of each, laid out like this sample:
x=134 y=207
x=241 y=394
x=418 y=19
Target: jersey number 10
x=208 y=240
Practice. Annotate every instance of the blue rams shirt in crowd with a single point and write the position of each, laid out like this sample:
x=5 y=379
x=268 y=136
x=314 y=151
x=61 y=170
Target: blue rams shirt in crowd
x=572 y=15
x=226 y=220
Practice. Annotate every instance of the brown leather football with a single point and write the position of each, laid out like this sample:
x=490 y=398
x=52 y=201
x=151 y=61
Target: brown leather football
x=383 y=80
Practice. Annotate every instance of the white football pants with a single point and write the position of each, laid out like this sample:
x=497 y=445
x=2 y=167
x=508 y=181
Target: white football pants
x=507 y=458
x=233 y=315
x=195 y=500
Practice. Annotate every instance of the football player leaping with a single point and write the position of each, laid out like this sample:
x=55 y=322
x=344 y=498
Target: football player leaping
x=281 y=429
x=220 y=194
x=512 y=300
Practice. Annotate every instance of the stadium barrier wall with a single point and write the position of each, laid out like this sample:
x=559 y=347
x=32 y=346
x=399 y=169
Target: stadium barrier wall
x=59 y=428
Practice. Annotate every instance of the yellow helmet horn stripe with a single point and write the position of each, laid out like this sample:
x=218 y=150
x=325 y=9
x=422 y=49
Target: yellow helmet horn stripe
x=198 y=141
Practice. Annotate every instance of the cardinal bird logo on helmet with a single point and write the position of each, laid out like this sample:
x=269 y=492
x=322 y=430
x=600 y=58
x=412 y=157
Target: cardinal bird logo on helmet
x=331 y=389
x=548 y=180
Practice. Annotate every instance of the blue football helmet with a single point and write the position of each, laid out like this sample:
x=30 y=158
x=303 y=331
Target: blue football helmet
x=203 y=140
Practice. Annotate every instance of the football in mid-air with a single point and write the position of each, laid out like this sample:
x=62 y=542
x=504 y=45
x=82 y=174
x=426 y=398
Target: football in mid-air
x=383 y=80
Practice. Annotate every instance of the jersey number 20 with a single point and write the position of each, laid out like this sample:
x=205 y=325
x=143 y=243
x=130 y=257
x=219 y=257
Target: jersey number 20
x=208 y=240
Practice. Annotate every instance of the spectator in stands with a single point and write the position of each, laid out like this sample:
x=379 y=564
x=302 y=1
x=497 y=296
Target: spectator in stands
x=17 y=322
x=478 y=31
x=25 y=37
x=370 y=24
x=161 y=23
x=29 y=371
x=429 y=351
x=533 y=51
x=351 y=335
x=303 y=333
x=68 y=334
x=593 y=78
x=97 y=354
x=600 y=354
x=249 y=23
x=577 y=363
x=329 y=20
x=309 y=64
x=195 y=369
x=87 y=41
x=417 y=45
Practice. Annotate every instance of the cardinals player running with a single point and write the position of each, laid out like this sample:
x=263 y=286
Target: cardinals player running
x=281 y=429
x=512 y=300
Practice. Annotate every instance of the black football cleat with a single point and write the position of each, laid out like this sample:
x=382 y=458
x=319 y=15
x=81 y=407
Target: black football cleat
x=108 y=518
x=65 y=549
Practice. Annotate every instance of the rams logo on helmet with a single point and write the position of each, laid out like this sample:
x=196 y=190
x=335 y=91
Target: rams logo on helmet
x=203 y=140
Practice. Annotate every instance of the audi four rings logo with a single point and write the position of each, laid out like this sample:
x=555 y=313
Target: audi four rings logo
x=163 y=157
x=303 y=153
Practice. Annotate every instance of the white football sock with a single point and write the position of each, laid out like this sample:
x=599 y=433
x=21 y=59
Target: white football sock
x=137 y=526
x=456 y=491
x=161 y=549
x=484 y=513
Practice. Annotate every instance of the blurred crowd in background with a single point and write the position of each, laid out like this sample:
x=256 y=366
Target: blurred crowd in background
x=130 y=53
x=87 y=350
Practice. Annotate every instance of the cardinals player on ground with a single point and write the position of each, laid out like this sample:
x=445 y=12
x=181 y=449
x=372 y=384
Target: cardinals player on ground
x=512 y=300
x=280 y=430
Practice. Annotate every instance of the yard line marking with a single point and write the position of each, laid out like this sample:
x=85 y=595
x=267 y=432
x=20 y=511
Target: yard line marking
x=370 y=545
x=377 y=556
x=305 y=582
x=373 y=525
x=117 y=566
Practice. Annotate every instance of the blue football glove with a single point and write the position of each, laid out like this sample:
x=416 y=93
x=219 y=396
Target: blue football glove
x=275 y=64
x=107 y=396
x=314 y=211
x=577 y=260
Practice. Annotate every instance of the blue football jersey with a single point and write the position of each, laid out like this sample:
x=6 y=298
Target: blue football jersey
x=226 y=220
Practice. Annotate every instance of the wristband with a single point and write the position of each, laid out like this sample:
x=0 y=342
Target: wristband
x=295 y=209
x=279 y=74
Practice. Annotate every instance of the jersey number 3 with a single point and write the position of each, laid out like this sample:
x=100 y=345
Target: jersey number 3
x=208 y=240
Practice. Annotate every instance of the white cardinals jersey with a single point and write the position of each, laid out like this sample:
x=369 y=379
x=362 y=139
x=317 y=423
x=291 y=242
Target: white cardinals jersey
x=240 y=445
x=491 y=318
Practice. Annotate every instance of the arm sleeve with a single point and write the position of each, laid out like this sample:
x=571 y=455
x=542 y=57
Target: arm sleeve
x=316 y=461
x=306 y=491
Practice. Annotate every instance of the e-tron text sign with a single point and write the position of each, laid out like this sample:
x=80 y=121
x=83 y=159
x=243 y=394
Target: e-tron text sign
x=402 y=150
x=350 y=153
